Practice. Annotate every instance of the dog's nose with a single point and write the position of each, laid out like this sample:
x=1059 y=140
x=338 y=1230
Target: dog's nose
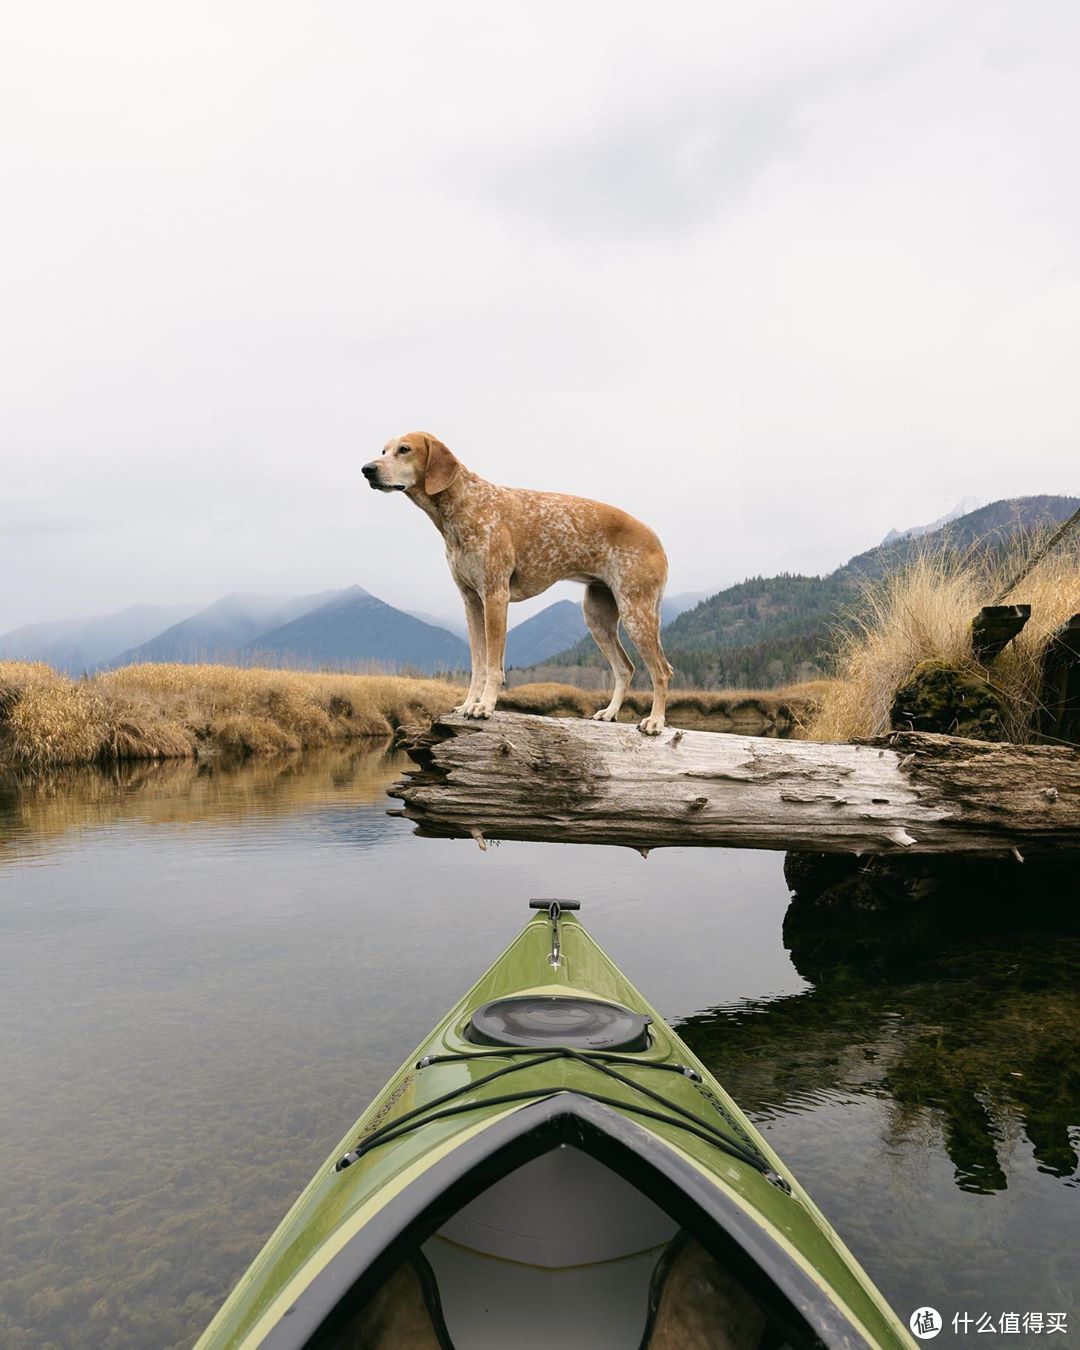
x=369 y=471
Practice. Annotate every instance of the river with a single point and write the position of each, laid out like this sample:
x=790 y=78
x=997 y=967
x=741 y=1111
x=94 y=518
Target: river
x=206 y=974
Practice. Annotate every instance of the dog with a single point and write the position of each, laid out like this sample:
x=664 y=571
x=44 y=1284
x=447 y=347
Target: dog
x=506 y=544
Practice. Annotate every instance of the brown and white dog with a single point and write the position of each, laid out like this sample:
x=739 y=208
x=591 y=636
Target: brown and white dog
x=506 y=544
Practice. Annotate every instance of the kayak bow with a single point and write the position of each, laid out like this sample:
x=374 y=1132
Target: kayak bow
x=554 y=1164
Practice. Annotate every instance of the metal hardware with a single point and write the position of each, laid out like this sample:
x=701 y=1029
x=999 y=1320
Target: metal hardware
x=554 y=909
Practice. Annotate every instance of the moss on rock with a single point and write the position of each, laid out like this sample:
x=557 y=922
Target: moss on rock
x=943 y=698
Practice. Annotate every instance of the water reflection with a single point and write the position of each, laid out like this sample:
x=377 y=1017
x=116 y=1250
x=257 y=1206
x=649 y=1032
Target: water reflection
x=38 y=812
x=981 y=1045
x=206 y=973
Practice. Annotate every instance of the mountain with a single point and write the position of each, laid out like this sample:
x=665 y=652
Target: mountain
x=962 y=508
x=219 y=632
x=552 y=630
x=355 y=628
x=83 y=645
x=768 y=631
x=456 y=625
x=23 y=644
x=992 y=529
x=757 y=609
x=100 y=640
x=673 y=605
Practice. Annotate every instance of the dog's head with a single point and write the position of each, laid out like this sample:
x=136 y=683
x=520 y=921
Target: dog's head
x=416 y=461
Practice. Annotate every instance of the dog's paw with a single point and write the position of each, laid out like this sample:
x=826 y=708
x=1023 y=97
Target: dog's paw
x=606 y=715
x=651 y=726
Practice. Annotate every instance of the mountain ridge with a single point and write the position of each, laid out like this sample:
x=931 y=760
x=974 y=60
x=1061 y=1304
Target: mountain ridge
x=220 y=630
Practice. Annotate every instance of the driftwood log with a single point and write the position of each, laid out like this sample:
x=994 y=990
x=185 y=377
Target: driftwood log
x=517 y=776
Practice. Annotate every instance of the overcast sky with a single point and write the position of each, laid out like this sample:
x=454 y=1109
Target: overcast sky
x=774 y=277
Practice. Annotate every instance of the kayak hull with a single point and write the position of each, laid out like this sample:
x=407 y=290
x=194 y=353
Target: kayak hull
x=459 y=1118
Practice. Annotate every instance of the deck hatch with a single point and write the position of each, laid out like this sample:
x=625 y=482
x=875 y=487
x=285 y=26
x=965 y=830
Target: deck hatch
x=558 y=1019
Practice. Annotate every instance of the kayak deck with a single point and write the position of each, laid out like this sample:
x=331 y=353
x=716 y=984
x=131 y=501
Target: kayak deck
x=493 y=1179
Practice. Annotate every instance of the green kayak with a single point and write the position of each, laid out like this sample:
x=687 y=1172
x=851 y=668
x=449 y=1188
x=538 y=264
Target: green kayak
x=553 y=1167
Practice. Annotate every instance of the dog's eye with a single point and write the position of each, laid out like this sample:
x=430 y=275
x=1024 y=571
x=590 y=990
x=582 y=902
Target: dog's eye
x=404 y=449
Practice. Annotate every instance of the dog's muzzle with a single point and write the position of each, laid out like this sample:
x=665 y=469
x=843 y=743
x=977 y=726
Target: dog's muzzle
x=371 y=473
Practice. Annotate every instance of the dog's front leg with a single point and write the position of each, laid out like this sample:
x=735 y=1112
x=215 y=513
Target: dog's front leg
x=495 y=606
x=474 y=617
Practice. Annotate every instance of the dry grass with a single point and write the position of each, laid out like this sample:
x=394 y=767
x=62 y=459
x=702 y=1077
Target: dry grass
x=185 y=712
x=751 y=712
x=924 y=613
x=179 y=711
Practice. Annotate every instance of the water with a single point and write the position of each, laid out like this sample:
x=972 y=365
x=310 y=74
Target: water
x=205 y=976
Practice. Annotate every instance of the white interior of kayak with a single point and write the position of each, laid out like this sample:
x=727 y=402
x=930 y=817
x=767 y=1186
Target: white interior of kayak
x=562 y=1243
x=560 y=1210
x=560 y=1252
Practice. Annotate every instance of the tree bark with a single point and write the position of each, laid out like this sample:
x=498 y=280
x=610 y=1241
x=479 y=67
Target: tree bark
x=518 y=776
x=994 y=627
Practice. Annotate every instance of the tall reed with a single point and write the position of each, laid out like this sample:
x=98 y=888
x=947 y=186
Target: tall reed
x=923 y=612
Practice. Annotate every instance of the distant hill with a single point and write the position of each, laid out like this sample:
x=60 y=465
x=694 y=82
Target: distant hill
x=552 y=630
x=757 y=609
x=83 y=645
x=673 y=605
x=222 y=630
x=768 y=631
x=355 y=628
x=348 y=627
x=991 y=528
x=102 y=639
x=456 y=625
x=23 y=644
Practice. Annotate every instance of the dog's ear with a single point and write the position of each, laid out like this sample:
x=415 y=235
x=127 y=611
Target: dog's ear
x=442 y=467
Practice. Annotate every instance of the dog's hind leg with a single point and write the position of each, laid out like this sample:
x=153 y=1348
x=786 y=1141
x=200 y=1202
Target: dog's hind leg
x=640 y=614
x=602 y=616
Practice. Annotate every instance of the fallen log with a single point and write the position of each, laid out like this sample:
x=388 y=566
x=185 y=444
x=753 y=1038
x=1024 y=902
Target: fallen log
x=525 y=777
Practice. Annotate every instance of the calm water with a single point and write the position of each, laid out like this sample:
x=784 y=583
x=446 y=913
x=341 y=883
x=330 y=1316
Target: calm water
x=205 y=976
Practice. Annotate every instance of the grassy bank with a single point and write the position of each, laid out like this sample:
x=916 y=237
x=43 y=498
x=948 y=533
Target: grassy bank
x=191 y=712
x=186 y=712
x=923 y=613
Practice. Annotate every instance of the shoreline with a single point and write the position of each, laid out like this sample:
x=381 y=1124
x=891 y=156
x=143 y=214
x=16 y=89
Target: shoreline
x=202 y=712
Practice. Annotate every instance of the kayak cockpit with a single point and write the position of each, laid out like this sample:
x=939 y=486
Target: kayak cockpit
x=563 y=1224
x=562 y=1250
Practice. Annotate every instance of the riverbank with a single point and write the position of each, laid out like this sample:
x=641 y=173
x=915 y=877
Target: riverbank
x=196 y=712
x=749 y=712
x=147 y=712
